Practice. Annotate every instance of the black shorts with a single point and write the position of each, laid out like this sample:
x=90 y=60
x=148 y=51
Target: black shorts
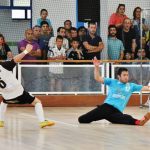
x=25 y=98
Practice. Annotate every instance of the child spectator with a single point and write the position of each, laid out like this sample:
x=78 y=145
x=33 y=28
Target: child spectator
x=74 y=53
x=57 y=53
x=44 y=14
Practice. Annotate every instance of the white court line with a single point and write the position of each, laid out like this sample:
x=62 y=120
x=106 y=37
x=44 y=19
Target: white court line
x=61 y=122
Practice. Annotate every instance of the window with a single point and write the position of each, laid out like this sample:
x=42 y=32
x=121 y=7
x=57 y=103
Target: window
x=18 y=14
x=23 y=3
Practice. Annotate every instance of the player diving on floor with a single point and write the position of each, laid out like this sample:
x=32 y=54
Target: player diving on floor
x=118 y=96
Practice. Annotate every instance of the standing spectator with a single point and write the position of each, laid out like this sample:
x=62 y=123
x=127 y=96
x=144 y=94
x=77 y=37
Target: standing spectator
x=67 y=24
x=44 y=39
x=36 y=52
x=115 y=46
x=73 y=32
x=127 y=35
x=57 y=53
x=5 y=52
x=82 y=32
x=36 y=33
x=44 y=14
x=137 y=26
x=92 y=43
x=52 y=42
x=118 y=17
x=29 y=73
x=68 y=34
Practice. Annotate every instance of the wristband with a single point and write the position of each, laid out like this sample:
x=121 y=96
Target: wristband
x=25 y=52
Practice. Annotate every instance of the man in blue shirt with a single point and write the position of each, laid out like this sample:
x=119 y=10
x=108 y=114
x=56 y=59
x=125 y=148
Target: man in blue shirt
x=115 y=46
x=116 y=101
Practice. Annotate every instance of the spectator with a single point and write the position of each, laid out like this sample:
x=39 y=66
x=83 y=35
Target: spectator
x=92 y=43
x=127 y=35
x=127 y=56
x=68 y=34
x=137 y=27
x=141 y=56
x=145 y=46
x=74 y=53
x=44 y=14
x=36 y=33
x=73 y=32
x=118 y=17
x=57 y=53
x=82 y=32
x=115 y=46
x=44 y=39
x=68 y=25
x=36 y=52
x=52 y=42
x=5 y=52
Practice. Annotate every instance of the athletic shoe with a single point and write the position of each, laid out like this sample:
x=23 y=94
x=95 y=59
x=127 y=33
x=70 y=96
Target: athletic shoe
x=1 y=123
x=145 y=119
x=46 y=123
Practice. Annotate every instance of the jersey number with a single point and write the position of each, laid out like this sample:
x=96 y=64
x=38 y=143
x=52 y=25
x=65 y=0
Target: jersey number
x=2 y=84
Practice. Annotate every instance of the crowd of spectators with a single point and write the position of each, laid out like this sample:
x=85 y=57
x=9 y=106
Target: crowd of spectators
x=124 y=39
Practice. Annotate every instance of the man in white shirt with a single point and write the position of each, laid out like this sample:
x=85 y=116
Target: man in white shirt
x=56 y=68
x=52 y=42
x=13 y=92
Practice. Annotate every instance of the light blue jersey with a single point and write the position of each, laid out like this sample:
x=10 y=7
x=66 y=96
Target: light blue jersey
x=119 y=93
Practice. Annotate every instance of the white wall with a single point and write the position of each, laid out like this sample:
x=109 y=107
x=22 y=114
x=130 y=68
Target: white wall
x=59 y=11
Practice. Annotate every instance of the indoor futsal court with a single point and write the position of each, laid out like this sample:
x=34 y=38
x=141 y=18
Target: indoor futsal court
x=23 y=133
x=74 y=75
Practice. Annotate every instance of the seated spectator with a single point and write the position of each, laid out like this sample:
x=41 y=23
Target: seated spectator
x=92 y=43
x=127 y=35
x=118 y=17
x=36 y=52
x=141 y=56
x=5 y=52
x=44 y=39
x=36 y=33
x=127 y=56
x=52 y=42
x=67 y=25
x=57 y=53
x=115 y=46
x=137 y=27
x=75 y=53
x=44 y=14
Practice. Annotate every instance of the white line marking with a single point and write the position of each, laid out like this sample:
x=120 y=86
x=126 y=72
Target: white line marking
x=61 y=122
